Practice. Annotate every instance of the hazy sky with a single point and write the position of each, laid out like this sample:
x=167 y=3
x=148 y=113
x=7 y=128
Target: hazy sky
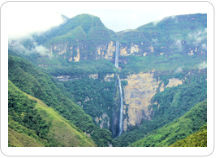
x=25 y=18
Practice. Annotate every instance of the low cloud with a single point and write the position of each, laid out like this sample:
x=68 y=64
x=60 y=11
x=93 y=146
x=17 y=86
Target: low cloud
x=178 y=44
x=155 y=22
x=43 y=51
x=202 y=65
x=174 y=18
x=178 y=70
x=204 y=46
x=19 y=47
x=198 y=36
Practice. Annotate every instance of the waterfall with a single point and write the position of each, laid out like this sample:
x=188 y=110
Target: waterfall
x=120 y=90
x=117 y=54
x=121 y=107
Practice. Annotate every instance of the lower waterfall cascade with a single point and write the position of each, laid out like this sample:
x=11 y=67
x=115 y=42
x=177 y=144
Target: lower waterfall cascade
x=120 y=91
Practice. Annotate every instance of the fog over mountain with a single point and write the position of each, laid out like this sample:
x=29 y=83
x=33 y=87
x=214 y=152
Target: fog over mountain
x=117 y=16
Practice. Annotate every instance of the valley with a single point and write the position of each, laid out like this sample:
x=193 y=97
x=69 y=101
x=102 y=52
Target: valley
x=82 y=84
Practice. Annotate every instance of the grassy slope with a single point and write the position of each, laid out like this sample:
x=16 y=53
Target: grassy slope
x=17 y=139
x=20 y=136
x=178 y=129
x=61 y=131
x=197 y=139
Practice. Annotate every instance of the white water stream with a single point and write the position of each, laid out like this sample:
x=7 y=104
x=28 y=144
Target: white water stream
x=120 y=90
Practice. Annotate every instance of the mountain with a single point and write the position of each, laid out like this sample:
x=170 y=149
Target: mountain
x=39 y=125
x=40 y=85
x=84 y=37
x=161 y=73
x=164 y=107
x=191 y=122
x=185 y=34
x=197 y=139
x=83 y=25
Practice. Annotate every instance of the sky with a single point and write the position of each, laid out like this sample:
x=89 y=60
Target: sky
x=24 y=18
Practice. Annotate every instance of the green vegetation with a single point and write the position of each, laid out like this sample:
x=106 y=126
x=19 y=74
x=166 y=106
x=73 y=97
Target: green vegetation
x=84 y=109
x=21 y=109
x=171 y=104
x=178 y=129
x=75 y=34
x=16 y=139
x=19 y=135
x=172 y=63
x=61 y=130
x=38 y=84
x=197 y=139
x=95 y=96
x=39 y=125
x=183 y=34
x=83 y=68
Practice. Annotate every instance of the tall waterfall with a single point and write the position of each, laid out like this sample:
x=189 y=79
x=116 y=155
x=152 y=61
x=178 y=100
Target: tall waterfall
x=120 y=91
x=117 y=54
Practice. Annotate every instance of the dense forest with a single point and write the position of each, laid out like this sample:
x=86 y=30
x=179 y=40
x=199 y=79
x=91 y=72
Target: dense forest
x=64 y=88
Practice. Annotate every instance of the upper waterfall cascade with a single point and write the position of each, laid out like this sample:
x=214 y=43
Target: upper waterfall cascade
x=117 y=55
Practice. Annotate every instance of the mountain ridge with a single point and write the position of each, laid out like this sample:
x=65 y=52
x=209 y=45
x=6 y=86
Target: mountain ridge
x=87 y=39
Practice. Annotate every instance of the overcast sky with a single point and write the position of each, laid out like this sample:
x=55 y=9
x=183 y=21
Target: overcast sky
x=25 y=18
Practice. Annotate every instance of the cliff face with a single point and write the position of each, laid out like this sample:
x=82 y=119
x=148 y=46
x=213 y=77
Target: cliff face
x=138 y=94
x=73 y=52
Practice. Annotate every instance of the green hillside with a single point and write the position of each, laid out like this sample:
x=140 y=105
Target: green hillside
x=197 y=139
x=136 y=64
x=36 y=114
x=40 y=85
x=61 y=130
x=83 y=27
x=75 y=34
x=20 y=136
x=178 y=129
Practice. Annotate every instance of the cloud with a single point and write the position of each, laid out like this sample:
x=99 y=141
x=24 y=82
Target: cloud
x=174 y=18
x=43 y=51
x=19 y=47
x=202 y=65
x=198 y=36
x=204 y=46
x=178 y=70
x=155 y=22
x=178 y=44
x=154 y=40
x=113 y=14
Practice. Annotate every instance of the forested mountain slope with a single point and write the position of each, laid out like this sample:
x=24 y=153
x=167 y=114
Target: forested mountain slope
x=189 y=123
x=38 y=84
x=197 y=139
x=33 y=123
